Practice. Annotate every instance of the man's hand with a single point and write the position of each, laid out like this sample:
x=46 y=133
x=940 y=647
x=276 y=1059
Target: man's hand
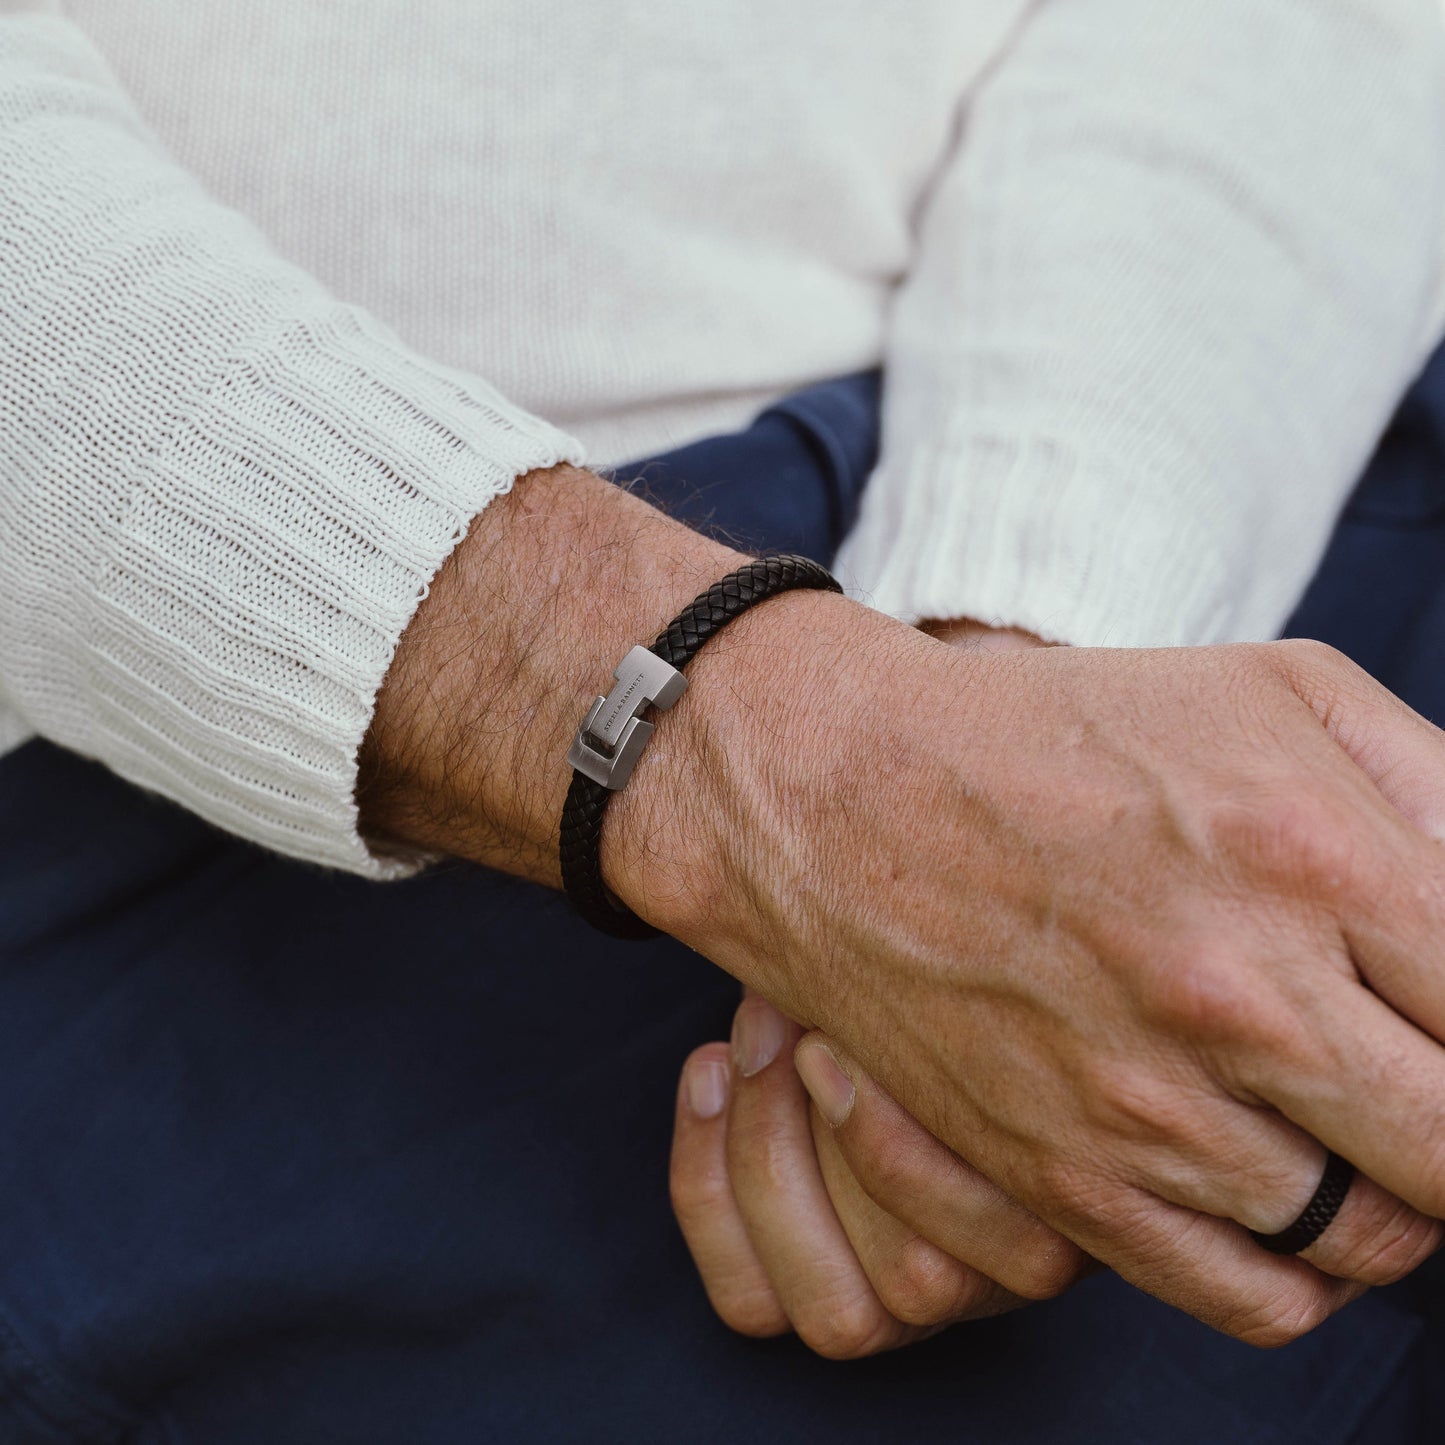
x=1139 y=934
x=784 y=1235
x=1120 y=928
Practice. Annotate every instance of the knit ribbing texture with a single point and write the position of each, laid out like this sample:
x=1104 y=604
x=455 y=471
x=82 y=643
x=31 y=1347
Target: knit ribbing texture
x=1145 y=288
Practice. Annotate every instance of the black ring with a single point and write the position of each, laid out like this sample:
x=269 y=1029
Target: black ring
x=1338 y=1176
x=677 y=644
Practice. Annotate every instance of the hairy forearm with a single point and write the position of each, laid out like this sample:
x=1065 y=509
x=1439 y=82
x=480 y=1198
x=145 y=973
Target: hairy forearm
x=466 y=754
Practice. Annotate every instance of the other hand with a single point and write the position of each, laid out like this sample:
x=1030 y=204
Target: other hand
x=786 y=1238
x=1139 y=934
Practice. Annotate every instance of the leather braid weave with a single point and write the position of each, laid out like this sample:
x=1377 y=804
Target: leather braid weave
x=1338 y=1176
x=702 y=619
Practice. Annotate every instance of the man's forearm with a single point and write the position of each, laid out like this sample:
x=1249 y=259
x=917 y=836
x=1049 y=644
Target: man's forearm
x=1040 y=897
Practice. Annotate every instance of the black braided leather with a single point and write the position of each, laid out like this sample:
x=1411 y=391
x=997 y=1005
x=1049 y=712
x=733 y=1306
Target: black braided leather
x=703 y=618
x=1339 y=1175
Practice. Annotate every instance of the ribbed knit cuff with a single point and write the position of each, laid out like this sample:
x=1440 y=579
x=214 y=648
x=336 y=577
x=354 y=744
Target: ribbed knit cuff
x=13 y=730
x=226 y=492
x=242 y=628
x=1015 y=532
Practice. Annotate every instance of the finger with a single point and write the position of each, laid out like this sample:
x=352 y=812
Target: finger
x=1205 y=1150
x=1396 y=931
x=1332 y=1061
x=1209 y=1268
x=1400 y=751
x=921 y=1182
x=1376 y=1237
x=1366 y=838
x=1385 y=853
x=702 y=1199
x=781 y=1195
x=916 y=1281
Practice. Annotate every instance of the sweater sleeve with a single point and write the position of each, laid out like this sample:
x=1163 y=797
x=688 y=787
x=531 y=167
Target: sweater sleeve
x=223 y=493
x=1179 y=271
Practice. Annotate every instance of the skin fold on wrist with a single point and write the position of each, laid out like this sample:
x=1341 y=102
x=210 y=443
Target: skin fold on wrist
x=986 y=637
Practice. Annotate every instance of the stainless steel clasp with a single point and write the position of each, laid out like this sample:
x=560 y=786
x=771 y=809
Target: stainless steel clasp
x=612 y=734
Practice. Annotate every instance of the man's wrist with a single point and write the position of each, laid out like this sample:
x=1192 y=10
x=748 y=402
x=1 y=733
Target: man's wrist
x=688 y=839
x=466 y=753
x=521 y=630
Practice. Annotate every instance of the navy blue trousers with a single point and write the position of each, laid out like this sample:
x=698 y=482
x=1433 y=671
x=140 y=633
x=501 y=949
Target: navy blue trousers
x=293 y=1159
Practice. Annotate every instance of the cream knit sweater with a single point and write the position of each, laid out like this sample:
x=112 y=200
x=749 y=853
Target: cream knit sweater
x=1146 y=279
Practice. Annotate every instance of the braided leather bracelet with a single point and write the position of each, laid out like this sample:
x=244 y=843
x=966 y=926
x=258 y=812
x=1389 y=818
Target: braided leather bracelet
x=613 y=734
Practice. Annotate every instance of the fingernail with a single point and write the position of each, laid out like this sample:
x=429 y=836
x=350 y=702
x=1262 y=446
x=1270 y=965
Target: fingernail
x=707 y=1087
x=759 y=1033
x=829 y=1087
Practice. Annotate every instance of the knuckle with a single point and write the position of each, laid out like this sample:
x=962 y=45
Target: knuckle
x=1314 y=842
x=1308 y=654
x=1318 y=672
x=921 y=1285
x=1284 y=1317
x=1204 y=995
x=696 y=1192
x=1286 y=839
x=752 y=1312
x=1044 y=1273
x=845 y=1328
